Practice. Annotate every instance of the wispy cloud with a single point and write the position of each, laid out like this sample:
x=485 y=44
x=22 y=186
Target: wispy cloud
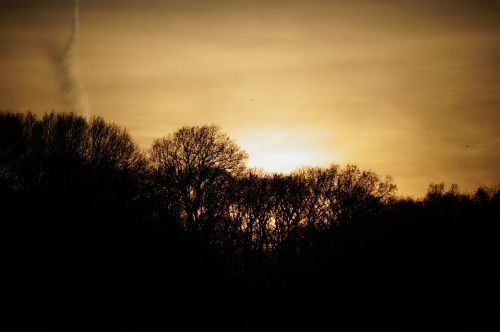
x=74 y=92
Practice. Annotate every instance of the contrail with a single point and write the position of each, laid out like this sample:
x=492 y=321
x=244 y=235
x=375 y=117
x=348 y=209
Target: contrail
x=74 y=93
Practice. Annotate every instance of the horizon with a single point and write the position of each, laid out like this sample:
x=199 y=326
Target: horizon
x=405 y=90
x=451 y=187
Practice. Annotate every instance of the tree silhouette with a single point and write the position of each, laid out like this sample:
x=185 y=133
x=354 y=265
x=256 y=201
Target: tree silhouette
x=191 y=167
x=96 y=232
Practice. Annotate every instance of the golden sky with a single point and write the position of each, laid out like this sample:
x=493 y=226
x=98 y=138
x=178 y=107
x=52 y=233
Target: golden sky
x=398 y=87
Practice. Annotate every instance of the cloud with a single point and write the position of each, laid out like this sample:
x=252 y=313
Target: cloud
x=74 y=93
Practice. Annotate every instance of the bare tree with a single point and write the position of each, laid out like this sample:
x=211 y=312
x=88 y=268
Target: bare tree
x=356 y=192
x=190 y=164
x=320 y=183
x=288 y=198
x=65 y=153
x=254 y=208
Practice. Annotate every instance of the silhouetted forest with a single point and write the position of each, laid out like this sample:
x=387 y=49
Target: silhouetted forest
x=97 y=233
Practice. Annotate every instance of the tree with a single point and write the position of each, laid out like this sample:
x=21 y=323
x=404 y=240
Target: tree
x=69 y=157
x=289 y=196
x=253 y=211
x=192 y=168
x=356 y=193
x=18 y=158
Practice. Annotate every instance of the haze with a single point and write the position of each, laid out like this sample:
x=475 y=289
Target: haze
x=408 y=89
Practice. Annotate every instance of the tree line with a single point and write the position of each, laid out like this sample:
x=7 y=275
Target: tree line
x=97 y=230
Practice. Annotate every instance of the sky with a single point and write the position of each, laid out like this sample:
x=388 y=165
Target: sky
x=405 y=88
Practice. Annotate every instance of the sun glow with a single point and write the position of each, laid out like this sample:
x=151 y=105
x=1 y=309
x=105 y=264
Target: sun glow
x=284 y=150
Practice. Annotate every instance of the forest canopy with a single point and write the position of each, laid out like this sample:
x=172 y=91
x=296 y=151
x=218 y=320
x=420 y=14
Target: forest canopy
x=100 y=230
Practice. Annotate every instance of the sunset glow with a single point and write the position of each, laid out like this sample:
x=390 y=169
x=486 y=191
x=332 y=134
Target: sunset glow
x=399 y=90
x=230 y=165
x=282 y=150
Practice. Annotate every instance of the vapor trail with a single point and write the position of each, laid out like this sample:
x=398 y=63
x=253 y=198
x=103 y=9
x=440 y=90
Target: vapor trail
x=74 y=93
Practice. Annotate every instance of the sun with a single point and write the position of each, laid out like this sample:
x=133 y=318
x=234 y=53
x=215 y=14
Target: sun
x=282 y=150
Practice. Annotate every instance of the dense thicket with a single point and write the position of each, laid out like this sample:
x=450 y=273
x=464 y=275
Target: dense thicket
x=97 y=233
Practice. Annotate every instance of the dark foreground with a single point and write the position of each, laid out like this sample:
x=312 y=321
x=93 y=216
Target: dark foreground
x=96 y=234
